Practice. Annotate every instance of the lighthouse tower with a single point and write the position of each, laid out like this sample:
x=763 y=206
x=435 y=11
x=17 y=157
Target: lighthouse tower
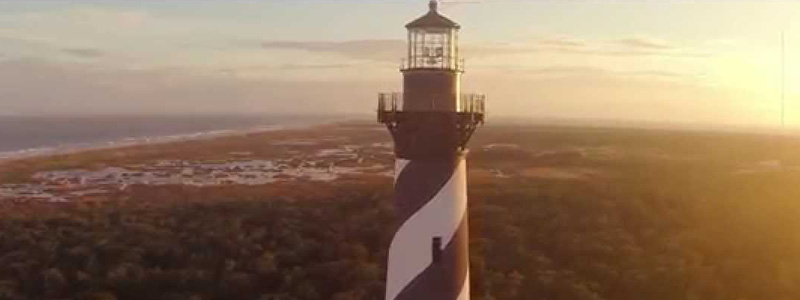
x=430 y=122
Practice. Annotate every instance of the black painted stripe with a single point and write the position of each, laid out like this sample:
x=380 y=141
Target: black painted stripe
x=418 y=183
x=445 y=279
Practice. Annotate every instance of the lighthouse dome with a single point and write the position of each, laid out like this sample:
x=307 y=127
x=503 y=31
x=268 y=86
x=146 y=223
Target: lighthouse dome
x=433 y=19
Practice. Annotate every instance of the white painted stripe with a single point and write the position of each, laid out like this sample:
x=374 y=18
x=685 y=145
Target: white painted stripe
x=410 y=251
x=464 y=295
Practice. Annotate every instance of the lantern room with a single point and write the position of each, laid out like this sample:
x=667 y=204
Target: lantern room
x=433 y=42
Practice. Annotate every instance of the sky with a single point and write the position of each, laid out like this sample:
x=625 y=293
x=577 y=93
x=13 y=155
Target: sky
x=683 y=62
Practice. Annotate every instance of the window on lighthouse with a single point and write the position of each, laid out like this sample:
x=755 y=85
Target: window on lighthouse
x=432 y=48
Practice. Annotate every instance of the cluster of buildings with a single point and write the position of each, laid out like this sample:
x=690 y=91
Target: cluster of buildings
x=77 y=184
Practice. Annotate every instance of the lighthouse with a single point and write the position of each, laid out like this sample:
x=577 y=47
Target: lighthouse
x=431 y=122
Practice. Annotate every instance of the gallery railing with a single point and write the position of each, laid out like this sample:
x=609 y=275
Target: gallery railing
x=437 y=63
x=467 y=103
x=470 y=112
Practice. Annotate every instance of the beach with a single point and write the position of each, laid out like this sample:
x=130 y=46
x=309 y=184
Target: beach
x=254 y=157
x=25 y=137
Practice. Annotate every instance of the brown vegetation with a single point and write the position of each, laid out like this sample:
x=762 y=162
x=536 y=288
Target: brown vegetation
x=679 y=219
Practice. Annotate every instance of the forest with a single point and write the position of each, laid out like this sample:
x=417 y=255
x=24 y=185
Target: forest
x=658 y=229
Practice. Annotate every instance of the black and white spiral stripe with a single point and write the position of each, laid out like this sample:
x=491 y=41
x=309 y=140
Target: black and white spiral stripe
x=431 y=202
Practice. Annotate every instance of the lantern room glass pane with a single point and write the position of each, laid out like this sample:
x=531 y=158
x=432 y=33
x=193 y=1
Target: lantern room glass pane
x=432 y=48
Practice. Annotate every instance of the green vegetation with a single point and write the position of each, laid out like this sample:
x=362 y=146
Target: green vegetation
x=291 y=248
x=663 y=216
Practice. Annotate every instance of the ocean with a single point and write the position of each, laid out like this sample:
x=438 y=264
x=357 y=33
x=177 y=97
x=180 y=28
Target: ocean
x=25 y=135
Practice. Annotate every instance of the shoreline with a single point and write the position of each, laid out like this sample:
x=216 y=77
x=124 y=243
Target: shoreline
x=41 y=152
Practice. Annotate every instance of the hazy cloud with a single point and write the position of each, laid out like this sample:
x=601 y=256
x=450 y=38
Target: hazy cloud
x=644 y=43
x=562 y=42
x=379 y=50
x=83 y=52
x=9 y=35
x=581 y=71
x=244 y=70
x=46 y=87
x=623 y=52
x=389 y=50
x=565 y=70
x=393 y=50
x=661 y=74
x=635 y=46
